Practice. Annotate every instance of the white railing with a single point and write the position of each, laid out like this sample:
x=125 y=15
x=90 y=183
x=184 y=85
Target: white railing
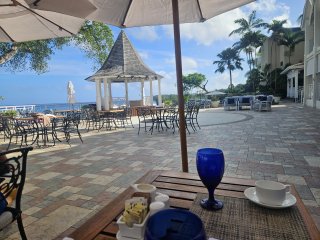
x=310 y=91
x=27 y=108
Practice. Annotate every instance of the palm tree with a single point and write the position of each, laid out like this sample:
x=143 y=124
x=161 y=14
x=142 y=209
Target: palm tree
x=300 y=19
x=255 y=76
x=290 y=39
x=248 y=25
x=249 y=37
x=277 y=29
x=249 y=42
x=229 y=59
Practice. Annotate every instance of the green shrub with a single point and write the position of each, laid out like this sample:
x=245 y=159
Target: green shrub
x=10 y=113
x=167 y=102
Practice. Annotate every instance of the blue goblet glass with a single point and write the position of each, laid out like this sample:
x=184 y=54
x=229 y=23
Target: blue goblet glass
x=210 y=166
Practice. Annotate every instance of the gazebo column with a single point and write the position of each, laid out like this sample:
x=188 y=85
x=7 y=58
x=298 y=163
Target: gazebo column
x=106 y=94
x=159 y=93
x=126 y=89
x=98 y=94
x=142 y=91
x=151 y=93
x=110 y=94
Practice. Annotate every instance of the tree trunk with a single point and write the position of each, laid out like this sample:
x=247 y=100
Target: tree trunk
x=230 y=79
x=8 y=55
x=248 y=60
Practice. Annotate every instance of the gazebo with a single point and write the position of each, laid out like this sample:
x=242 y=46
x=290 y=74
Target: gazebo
x=123 y=65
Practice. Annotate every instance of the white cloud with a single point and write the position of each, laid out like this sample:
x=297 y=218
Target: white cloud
x=264 y=5
x=285 y=15
x=272 y=9
x=144 y=33
x=74 y=68
x=215 y=29
x=89 y=87
x=218 y=81
x=143 y=55
x=189 y=65
x=168 y=82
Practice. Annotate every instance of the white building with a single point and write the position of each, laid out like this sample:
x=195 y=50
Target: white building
x=295 y=81
x=311 y=26
x=278 y=55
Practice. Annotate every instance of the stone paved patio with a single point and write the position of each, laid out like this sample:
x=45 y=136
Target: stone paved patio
x=66 y=185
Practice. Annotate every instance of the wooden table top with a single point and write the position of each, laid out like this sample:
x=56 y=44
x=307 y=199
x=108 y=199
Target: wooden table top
x=182 y=189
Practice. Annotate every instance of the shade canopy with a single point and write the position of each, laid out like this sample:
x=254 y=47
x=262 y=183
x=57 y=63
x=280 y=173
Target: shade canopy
x=19 y=23
x=124 y=64
x=130 y=13
x=215 y=93
x=71 y=93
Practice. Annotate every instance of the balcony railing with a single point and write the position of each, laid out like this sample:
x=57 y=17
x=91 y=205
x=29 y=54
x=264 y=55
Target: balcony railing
x=25 y=108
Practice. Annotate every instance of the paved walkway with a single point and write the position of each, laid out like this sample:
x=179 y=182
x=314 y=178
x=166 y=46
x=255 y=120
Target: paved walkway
x=66 y=185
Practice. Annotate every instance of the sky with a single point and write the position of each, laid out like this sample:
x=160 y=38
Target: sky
x=200 y=44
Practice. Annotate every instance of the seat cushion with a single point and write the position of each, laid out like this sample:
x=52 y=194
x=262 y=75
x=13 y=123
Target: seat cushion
x=5 y=219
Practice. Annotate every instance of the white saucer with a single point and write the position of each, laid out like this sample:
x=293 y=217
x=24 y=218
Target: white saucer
x=120 y=237
x=250 y=193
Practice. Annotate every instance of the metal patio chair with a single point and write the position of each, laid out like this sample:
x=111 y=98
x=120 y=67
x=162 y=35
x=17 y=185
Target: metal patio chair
x=12 y=179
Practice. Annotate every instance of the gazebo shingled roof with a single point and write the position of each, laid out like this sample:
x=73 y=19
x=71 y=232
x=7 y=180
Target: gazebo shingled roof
x=124 y=63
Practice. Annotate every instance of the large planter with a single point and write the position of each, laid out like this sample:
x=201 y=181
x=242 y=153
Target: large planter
x=276 y=100
x=215 y=104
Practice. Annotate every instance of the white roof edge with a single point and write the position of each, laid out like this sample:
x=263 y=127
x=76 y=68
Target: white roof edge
x=94 y=77
x=297 y=66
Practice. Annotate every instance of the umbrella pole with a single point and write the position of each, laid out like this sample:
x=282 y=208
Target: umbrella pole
x=182 y=122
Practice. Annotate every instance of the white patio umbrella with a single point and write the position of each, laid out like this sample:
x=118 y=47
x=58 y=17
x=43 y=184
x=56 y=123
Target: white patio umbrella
x=71 y=93
x=19 y=23
x=133 y=13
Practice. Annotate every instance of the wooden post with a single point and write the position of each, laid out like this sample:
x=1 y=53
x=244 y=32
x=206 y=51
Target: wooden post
x=182 y=122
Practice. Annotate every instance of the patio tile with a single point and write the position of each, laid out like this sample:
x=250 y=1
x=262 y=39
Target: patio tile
x=65 y=189
x=291 y=179
x=31 y=210
x=63 y=217
x=316 y=194
x=313 y=161
x=304 y=192
x=48 y=175
x=288 y=150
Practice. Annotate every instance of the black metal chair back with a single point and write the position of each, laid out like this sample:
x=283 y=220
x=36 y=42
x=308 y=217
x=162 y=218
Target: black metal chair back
x=12 y=179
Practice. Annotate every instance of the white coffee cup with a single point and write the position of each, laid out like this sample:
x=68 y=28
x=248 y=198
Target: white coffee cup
x=163 y=198
x=156 y=207
x=145 y=188
x=271 y=192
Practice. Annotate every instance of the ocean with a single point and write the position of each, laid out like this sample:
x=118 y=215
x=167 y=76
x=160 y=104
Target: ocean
x=117 y=102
